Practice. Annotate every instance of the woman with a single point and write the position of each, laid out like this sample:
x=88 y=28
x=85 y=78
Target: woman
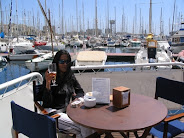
x=56 y=98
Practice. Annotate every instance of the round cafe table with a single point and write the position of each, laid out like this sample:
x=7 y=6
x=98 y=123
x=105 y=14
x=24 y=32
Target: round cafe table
x=142 y=113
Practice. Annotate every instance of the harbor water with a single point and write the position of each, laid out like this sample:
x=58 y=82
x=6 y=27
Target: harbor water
x=15 y=69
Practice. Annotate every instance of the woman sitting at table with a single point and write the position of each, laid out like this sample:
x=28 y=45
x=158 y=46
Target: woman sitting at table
x=58 y=97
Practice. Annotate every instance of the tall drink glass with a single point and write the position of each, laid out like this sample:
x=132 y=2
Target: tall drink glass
x=53 y=70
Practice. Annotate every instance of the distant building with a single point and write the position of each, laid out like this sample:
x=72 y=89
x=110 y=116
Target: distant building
x=20 y=29
x=92 y=31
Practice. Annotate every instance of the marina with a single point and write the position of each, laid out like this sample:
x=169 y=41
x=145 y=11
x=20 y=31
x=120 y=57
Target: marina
x=129 y=43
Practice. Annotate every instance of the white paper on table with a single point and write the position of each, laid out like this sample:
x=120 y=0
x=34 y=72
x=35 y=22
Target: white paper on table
x=101 y=90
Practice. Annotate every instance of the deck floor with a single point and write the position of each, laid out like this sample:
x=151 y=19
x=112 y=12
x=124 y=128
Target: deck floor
x=131 y=135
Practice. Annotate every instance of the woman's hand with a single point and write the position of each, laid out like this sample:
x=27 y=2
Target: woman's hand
x=48 y=78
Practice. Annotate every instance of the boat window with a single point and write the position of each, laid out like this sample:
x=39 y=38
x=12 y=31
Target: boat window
x=181 y=39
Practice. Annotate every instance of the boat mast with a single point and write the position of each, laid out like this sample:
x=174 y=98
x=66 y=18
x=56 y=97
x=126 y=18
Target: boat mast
x=9 y=26
x=140 y=23
x=17 y=21
x=77 y=17
x=51 y=34
x=96 y=25
x=135 y=21
x=59 y=22
x=161 y=25
x=1 y=17
x=150 y=16
x=83 y=18
x=108 y=18
x=173 y=16
x=46 y=14
x=62 y=20
x=115 y=21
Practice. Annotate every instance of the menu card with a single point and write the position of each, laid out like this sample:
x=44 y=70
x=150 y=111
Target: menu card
x=101 y=90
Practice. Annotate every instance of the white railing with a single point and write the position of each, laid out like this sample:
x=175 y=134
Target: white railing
x=134 y=66
x=32 y=76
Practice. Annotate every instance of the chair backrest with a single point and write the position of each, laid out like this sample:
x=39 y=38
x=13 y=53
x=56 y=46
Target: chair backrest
x=32 y=124
x=171 y=90
x=37 y=93
x=151 y=53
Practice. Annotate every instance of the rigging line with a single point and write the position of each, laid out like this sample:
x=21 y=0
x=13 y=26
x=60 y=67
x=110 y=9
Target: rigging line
x=50 y=27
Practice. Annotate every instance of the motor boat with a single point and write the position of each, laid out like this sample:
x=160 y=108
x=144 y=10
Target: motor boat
x=91 y=58
x=152 y=54
x=177 y=41
x=27 y=55
x=41 y=62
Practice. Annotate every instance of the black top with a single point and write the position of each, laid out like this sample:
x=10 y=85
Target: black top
x=58 y=97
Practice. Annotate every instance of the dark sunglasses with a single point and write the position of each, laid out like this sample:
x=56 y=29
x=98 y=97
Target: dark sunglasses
x=63 y=61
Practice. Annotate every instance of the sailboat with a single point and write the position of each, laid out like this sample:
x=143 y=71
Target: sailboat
x=41 y=63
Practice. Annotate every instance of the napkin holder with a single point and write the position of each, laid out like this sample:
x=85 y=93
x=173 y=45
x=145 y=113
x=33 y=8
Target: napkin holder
x=121 y=97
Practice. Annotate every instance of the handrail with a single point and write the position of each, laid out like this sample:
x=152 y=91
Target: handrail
x=19 y=80
x=126 y=65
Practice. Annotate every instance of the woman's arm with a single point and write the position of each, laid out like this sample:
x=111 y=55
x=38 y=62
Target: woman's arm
x=79 y=92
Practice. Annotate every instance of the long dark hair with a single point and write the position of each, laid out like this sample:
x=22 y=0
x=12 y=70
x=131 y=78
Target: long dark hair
x=68 y=73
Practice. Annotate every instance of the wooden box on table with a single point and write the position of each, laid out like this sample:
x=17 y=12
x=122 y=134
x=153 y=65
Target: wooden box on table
x=121 y=97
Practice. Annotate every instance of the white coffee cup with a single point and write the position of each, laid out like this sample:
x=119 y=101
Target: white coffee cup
x=89 y=101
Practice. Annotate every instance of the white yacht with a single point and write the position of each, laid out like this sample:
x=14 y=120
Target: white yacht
x=92 y=41
x=40 y=63
x=29 y=54
x=56 y=46
x=134 y=46
x=177 y=41
x=152 y=54
x=124 y=42
x=21 y=45
x=163 y=44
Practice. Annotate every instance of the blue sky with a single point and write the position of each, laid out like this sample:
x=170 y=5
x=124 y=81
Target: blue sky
x=131 y=10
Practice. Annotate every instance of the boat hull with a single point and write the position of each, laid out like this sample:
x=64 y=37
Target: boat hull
x=177 y=48
x=22 y=57
x=38 y=66
x=49 y=47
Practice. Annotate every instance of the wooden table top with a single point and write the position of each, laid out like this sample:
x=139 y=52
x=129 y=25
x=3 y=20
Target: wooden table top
x=143 y=112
